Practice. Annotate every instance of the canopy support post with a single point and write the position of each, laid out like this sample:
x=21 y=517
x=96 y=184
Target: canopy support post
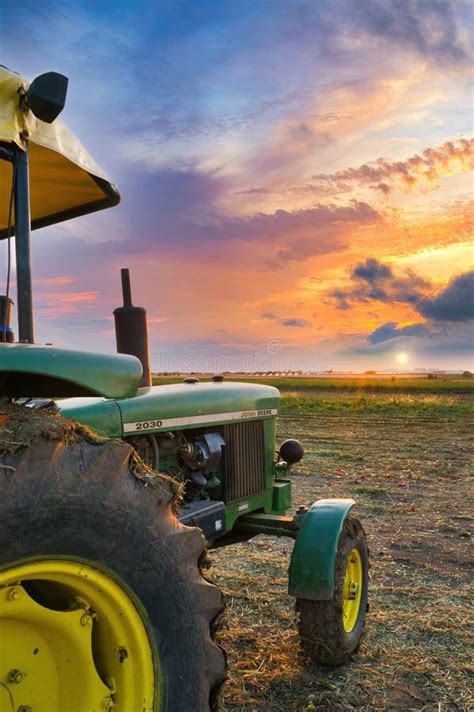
x=23 y=247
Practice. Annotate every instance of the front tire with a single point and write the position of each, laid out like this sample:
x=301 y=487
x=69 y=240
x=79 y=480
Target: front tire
x=71 y=499
x=330 y=631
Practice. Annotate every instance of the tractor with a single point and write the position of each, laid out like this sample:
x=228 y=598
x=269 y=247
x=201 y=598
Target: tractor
x=112 y=488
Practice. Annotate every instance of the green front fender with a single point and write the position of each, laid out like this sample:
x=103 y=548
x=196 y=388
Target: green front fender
x=313 y=559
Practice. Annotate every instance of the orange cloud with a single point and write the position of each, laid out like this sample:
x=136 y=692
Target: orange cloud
x=56 y=304
x=54 y=281
x=79 y=297
x=452 y=158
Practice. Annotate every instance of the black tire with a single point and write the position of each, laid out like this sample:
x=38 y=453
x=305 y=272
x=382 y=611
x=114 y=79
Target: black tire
x=320 y=623
x=67 y=493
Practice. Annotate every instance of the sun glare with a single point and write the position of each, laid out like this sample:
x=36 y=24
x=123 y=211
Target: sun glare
x=402 y=357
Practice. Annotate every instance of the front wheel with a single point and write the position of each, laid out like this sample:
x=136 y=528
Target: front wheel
x=331 y=631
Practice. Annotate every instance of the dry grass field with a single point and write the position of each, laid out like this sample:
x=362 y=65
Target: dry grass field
x=403 y=454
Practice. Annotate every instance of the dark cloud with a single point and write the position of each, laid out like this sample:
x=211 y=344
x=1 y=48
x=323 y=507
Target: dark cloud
x=375 y=281
x=455 y=303
x=421 y=341
x=342 y=297
x=372 y=271
x=296 y=323
x=291 y=322
x=390 y=330
x=254 y=191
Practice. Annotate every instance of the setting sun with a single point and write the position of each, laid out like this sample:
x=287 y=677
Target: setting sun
x=402 y=358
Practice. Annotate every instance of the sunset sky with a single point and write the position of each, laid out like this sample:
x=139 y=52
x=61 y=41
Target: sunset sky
x=296 y=179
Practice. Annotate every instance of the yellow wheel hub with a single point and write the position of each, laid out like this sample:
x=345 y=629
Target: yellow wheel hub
x=71 y=639
x=352 y=590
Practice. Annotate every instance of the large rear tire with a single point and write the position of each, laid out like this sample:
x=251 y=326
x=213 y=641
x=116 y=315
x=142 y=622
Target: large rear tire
x=86 y=530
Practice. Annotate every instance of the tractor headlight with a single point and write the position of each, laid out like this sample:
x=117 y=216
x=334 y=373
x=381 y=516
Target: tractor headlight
x=291 y=451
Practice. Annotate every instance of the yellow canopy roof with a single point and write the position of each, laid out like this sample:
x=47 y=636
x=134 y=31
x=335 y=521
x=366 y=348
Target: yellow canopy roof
x=65 y=181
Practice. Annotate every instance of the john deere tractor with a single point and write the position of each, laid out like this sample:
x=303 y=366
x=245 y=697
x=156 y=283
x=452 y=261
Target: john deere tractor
x=112 y=488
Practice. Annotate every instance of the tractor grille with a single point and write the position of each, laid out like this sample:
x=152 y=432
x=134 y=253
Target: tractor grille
x=243 y=462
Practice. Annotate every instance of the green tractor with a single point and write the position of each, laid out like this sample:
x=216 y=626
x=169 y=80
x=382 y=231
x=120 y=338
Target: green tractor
x=112 y=488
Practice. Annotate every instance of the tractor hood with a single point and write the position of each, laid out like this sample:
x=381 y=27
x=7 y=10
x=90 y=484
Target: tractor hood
x=65 y=182
x=30 y=370
x=192 y=405
x=180 y=406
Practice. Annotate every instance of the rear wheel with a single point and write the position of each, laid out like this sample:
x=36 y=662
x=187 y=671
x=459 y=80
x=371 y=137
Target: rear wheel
x=331 y=631
x=67 y=630
x=102 y=603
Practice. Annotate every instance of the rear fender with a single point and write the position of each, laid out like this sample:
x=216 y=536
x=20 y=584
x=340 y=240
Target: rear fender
x=313 y=559
x=31 y=370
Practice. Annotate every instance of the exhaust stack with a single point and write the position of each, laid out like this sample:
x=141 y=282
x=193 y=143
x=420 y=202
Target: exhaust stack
x=131 y=332
x=6 y=331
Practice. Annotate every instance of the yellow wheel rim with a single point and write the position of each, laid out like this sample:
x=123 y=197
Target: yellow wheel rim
x=352 y=590
x=72 y=639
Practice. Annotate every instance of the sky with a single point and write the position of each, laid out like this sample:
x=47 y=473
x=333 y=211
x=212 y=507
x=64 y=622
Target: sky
x=296 y=179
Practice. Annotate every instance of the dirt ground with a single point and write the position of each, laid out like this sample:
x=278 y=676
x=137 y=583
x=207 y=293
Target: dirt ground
x=411 y=479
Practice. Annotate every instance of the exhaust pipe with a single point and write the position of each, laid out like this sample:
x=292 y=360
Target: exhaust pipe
x=131 y=332
x=6 y=331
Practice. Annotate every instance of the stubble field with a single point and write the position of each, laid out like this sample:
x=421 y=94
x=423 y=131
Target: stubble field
x=402 y=450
